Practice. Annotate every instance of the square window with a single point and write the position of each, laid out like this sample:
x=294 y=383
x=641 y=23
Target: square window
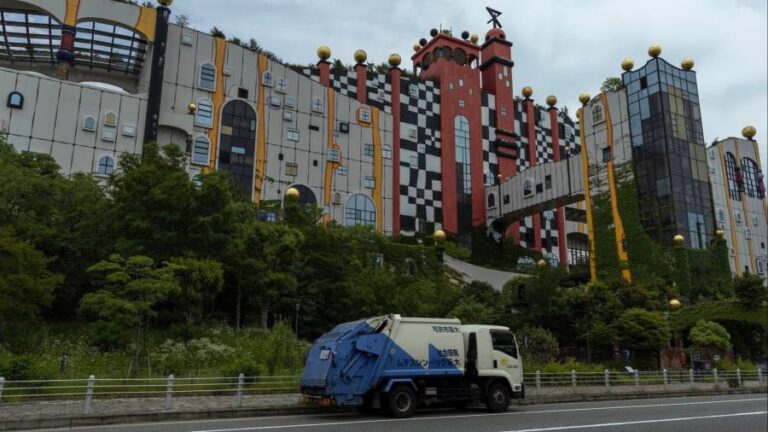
x=186 y=39
x=275 y=101
x=314 y=127
x=108 y=134
x=227 y=71
x=279 y=156
x=413 y=91
x=506 y=199
x=266 y=79
x=461 y=102
x=290 y=102
x=291 y=169
x=548 y=182
x=364 y=115
x=539 y=188
x=281 y=85
x=292 y=135
x=344 y=127
x=314 y=162
x=242 y=93
x=369 y=182
x=414 y=161
x=288 y=115
x=333 y=155
x=317 y=105
x=368 y=150
x=342 y=170
x=129 y=130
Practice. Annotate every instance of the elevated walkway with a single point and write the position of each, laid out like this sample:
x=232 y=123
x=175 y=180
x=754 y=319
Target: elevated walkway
x=470 y=272
x=543 y=187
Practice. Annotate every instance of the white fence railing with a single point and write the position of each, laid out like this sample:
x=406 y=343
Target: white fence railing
x=165 y=390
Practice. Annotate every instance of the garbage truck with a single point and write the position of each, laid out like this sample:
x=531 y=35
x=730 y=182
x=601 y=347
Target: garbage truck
x=397 y=363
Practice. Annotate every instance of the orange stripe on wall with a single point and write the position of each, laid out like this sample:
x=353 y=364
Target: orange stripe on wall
x=330 y=166
x=377 y=168
x=734 y=238
x=587 y=199
x=261 y=134
x=73 y=9
x=743 y=194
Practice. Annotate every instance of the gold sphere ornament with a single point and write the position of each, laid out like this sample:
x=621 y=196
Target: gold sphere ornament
x=394 y=60
x=541 y=263
x=687 y=63
x=527 y=92
x=584 y=98
x=323 y=53
x=474 y=38
x=361 y=56
x=719 y=233
x=165 y=3
x=578 y=112
x=439 y=236
x=292 y=194
x=748 y=132
x=654 y=50
x=416 y=47
x=679 y=239
x=551 y=100
x=191 y=107
x=675 y=304
x=627 y=64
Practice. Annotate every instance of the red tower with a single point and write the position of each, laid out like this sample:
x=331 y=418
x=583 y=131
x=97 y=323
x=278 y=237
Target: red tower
x=450 y=62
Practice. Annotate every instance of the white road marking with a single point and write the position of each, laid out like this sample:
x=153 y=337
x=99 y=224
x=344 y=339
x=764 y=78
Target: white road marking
x=447 y=417
x=639 y=422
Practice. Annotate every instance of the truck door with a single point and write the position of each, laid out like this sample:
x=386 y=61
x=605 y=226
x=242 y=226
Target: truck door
x=506 y=356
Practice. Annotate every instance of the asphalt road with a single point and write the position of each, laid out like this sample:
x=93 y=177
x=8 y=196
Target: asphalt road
x=696 y=414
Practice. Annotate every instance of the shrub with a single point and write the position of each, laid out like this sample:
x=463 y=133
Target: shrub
x=106 y=335
x=246 y=366
x=538 y=344
x=18 y=368
x=710 y=334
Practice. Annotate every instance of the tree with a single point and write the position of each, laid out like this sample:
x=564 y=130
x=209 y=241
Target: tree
x=182 y=20
x=750 y=290
x=129 y=290
x=26 y=285
x=216 y=32
x=643 y=331
x=538 y=344
x=200 y=281
x=611 y=84
x=710 y=334
x=590 y=312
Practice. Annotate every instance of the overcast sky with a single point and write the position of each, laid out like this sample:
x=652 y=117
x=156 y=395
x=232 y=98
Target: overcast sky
x=561 y=47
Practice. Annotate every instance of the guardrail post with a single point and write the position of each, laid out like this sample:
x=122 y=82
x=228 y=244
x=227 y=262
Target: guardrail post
x=664 y=374
x=691 y=378
x=2 y=384
x=240 y=382
x=738 y=376
x=87 y=409
x=714 y=375
x=759 y=380
x=169 y=392
x=538 y=380
x=607 y=377
x=637 y=378
x=573 y=379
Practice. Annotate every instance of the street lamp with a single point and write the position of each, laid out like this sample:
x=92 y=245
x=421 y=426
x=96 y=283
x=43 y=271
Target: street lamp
x=439 y=237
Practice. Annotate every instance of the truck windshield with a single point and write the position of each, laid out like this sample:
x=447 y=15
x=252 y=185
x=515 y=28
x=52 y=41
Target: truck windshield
x=504 y=342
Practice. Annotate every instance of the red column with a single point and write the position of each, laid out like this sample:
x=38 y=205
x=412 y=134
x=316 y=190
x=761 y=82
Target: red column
x=362 y=77
x=66 y=54
x=394 y=74
x=529 y=108
x=325 y=72
x=560 y=212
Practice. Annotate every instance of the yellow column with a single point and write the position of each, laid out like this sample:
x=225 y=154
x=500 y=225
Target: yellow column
x=218 y=98
x=743 y=195
x=734 y=238
x=330 y=166
x=261 y=134
x=587 y=198
x=377 y=168
x=617 y=222
x=70 y=16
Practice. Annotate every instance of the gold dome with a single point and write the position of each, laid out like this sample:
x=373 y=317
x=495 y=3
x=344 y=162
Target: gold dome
x=748 y=132
x=551 y=100
x=361 y=56
x=687 y=63
x=541 y=263
x=394 y=60
x=584 y=98
x=627 y=64
x=679 y=239
x=674 y=304
x=474 y=38
x=654 y=50
x=439 y=236
x=165 y=3
x=416 y=46
x=527 y=92
x=719 y=233
x=191 y=107
x=323 y=53
x=292 y=194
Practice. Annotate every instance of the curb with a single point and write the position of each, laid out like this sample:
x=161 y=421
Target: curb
x=79 y=421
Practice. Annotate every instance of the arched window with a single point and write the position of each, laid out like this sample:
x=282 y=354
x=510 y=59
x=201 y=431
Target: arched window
x=201 y=151
x=731 y=173
x=360 y=210
x=207 y=77
x=597 y=114
x=463 y=171
x=528 y=187
x=236 y=149
x=89 y=123
x=749 y=168
x=15 y=100
x=204 y=113
x=110 y=119
x=491 y=200
x=106 y=166
x=386 y=151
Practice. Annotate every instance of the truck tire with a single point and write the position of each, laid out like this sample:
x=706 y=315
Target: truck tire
x=401 y=401
x=497 y=397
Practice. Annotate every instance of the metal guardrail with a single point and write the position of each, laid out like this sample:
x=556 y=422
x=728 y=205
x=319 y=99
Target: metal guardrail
x=171 y=387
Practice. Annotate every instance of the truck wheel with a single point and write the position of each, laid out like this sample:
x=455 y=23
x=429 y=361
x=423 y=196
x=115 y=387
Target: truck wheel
x=497 y=398
x=401 y=401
